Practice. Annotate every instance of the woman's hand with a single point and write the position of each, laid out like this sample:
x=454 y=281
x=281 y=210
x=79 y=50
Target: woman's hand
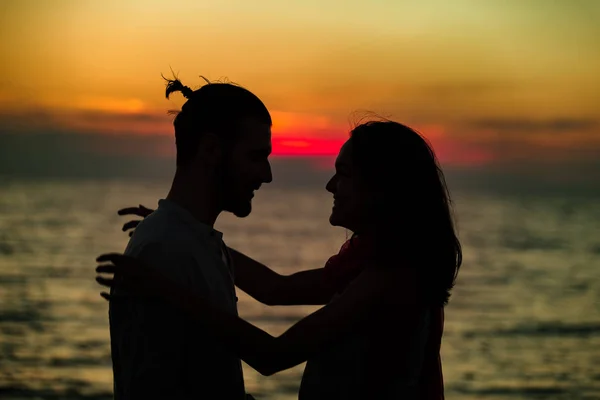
x=132 y=274
x=140 y=211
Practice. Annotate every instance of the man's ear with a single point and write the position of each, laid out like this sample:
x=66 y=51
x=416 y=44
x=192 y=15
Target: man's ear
x=209 y=149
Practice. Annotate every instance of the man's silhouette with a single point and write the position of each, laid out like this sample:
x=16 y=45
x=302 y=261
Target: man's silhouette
x=223 y=140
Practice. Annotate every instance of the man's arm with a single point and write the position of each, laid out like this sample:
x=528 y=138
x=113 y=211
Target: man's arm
x=146 y=335
x=309 y=336
x=267 y=286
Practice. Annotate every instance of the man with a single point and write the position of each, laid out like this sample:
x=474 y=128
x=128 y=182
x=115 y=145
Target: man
x=305 y=287
x=223 y=140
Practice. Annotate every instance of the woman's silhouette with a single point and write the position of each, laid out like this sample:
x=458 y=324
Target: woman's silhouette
x=379 y=335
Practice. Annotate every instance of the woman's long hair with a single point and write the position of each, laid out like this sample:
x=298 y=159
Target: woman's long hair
x=410 y=211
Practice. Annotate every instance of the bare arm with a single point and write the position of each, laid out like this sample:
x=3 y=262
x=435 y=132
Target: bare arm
x=259 y=281
x=267 y=286
x=372 y=289
x=268 y=354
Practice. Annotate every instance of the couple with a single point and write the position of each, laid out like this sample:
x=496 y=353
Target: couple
x=175 y=330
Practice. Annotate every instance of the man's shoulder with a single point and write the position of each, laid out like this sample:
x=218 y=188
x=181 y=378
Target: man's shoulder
x=166 y=247
x=156 y=226
x=159 y=229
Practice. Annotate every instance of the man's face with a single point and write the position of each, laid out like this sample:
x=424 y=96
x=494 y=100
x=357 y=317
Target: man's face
x=246 y=168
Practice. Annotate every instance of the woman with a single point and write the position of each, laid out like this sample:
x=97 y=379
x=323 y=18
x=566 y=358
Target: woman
x=379 y=337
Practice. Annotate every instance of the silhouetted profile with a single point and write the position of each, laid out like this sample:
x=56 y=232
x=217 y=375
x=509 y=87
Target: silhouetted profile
x=379 y=335
x=223 y=139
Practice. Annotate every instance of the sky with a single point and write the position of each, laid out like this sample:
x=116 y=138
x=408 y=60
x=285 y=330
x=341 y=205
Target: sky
x=496 y=83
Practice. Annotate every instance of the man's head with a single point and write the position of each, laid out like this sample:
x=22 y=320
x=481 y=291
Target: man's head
x=224 y=131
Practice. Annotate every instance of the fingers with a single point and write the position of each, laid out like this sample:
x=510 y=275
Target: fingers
x=106 y=269
x=109 y=257
x=131 y=211
x=108 y=282
x=119 y=260
x=140 y=211
x=130 y=225
x=105 y=295
x=125 y=265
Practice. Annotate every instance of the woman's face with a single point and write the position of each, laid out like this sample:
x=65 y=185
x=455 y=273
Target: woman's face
x=347 y=203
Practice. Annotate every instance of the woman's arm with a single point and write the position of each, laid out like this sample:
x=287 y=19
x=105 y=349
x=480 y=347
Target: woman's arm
x=267 y=286
x=259 y=281
x=268 y=354
x=263 y=352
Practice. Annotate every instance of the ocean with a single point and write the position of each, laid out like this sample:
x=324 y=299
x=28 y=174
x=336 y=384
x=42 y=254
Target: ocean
x=523 y=321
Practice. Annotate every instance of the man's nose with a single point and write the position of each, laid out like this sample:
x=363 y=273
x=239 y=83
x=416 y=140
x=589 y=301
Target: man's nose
x=330 y=186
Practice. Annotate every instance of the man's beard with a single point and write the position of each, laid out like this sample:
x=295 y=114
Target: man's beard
x=241 y=208
x=232 y=199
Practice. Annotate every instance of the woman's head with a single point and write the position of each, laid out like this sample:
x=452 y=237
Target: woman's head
x=389 y=185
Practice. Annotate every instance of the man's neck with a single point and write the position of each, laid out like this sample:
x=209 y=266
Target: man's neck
x=197 y=198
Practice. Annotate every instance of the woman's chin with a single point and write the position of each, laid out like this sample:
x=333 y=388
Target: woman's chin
x=335 y=220
x=332 y=220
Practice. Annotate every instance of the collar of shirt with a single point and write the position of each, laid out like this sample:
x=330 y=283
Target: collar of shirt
x=203 y=232
x=201 y=229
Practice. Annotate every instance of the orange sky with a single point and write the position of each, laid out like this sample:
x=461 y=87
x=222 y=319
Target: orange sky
x=486 y=81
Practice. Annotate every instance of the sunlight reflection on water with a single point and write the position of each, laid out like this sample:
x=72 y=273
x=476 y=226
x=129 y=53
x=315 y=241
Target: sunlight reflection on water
x=524 y=321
